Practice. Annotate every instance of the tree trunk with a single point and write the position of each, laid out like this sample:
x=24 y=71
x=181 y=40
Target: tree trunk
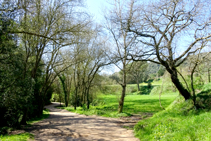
x=121 y=102
x=137 y=82
x=87 y=97
x=179 y=86
x=76 y=98
x=208 y=75
x=62 y=79
x=23 y=120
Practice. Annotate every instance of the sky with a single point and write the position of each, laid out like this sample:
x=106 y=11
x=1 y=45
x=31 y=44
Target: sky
x=95 y=7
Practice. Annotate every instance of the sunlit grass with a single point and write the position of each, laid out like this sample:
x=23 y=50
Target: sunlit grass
x=134 y=104
x=178 y=123
x=17 y=137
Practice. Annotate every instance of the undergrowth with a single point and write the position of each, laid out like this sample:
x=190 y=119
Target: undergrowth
x=23 y=136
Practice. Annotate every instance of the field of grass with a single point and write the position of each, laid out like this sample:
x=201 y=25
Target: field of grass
x=179 y=122
x=134 y=104
x=24 y=136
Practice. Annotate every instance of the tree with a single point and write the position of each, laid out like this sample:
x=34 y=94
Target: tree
x=137 y=71
x=15 y=90
x=31 y=51
x=169 y=32
x=90 y=57
x=122 y=42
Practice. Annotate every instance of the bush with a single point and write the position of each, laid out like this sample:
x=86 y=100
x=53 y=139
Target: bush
x=131 y=89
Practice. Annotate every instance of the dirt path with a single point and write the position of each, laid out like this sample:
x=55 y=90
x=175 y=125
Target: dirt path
x=66 y=126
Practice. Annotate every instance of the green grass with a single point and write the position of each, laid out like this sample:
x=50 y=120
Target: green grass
x=25 y=136
x=18 y=137
x=180 y=122
x=134 y=104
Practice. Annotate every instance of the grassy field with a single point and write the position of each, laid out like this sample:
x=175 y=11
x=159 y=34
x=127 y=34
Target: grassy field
x=134 y=104
x=180 y=122
x=24 y=136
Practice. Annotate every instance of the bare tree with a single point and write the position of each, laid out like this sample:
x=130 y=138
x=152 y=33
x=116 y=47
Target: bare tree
x=169 y=32
x=122 y=41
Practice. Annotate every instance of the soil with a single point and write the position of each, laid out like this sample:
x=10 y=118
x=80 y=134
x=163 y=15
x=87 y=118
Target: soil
x=63 y=125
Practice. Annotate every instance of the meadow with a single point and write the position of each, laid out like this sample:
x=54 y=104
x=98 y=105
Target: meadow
x=107 y=105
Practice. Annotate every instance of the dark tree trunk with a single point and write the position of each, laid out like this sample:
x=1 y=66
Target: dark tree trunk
x=23 y=120
x=87 y=98
x=62 y=79
x=179 y=86
x=137 y=82
x=121 y=102
x=76 y=98
x=208 y=75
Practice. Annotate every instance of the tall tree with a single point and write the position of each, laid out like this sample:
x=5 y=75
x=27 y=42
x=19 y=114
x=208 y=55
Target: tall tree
x=170 y=31
x=122 y=41
x=43 y=29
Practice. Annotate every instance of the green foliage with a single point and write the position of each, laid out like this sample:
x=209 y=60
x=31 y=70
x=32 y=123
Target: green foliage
x=203 y=99
x=206 y=87
x=49 y=95
x=137 y=72
x=167 y=87
x=16 y=85
x=180 y=121
x=145 y=90
x=17 y=137
x=37 y=119
x=161 y=71
x=110 y=89
x=130 y=89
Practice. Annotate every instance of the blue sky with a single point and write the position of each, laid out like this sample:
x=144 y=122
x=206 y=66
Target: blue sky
x=95 y=7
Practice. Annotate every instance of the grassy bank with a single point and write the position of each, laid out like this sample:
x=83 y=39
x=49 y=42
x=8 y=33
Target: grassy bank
x=24 y=136
x=180 y=121
x=134 y=104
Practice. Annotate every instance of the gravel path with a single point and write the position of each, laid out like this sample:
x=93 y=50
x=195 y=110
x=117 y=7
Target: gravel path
x=66 y=126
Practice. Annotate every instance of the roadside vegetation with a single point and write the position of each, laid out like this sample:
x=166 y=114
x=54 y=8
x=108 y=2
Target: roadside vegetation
x=23 y=136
